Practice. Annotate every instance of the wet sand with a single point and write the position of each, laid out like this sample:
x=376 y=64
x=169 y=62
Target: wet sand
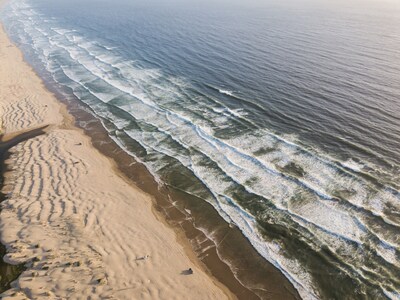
x=170 y=207
x=193 y=219
x=81 y=229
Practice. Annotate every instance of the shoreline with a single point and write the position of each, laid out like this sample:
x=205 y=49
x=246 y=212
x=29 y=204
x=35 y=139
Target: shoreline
x=41 y=247
x=171 y=206
x=184 y=230
x=205 y=133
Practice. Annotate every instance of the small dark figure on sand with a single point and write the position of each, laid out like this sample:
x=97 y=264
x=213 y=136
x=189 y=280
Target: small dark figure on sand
x=187 y=272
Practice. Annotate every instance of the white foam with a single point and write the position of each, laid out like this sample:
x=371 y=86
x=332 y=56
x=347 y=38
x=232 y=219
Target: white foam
x=226 y=92
x=392 y=295
x=150 y=93
x=61 y=31
x=388 y=253
x=353 y=165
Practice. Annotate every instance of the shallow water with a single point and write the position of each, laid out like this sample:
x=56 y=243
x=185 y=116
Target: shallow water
x=283 y=115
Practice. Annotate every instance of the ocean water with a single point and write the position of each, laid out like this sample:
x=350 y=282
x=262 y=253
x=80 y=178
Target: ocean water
x=284 y=115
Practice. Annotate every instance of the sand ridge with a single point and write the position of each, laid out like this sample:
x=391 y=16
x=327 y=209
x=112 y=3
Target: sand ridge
x=82 y=230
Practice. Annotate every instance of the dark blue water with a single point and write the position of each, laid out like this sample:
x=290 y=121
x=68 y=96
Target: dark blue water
x=284 y=114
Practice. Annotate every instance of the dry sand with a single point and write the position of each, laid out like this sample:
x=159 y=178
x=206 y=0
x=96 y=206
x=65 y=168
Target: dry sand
x=79 y=225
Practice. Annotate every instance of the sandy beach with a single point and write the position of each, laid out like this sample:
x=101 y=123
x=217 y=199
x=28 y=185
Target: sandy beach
x=211 y=150
x=81 y=228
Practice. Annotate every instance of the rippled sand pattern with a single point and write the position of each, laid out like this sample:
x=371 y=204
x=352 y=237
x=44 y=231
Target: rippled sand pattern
x=81 y=230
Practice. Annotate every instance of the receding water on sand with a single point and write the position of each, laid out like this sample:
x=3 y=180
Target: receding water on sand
x=227 y=255
x=286 y=128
